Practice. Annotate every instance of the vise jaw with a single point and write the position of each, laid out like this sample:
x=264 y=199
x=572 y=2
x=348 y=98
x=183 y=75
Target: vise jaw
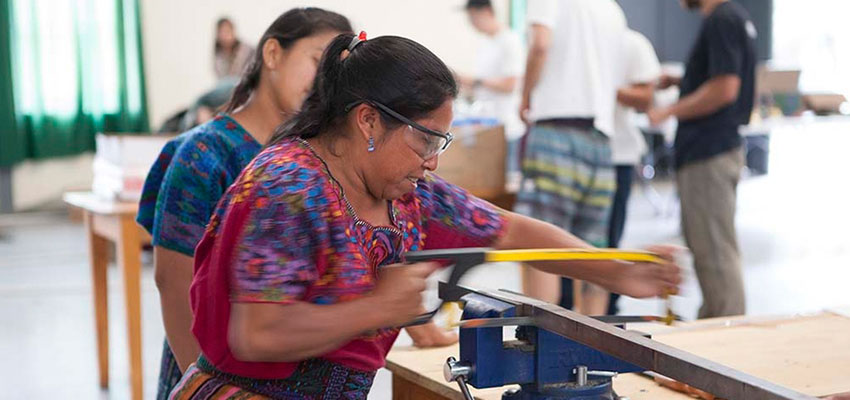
x=547 y=366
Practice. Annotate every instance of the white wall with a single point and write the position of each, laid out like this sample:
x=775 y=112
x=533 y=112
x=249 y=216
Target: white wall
x=178 y=36
x=36 y=183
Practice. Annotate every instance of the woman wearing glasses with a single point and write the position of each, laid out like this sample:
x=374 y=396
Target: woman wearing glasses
x=295 y=292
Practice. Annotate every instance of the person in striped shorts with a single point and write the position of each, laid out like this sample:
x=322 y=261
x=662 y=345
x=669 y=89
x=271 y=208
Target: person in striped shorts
x=573 y=70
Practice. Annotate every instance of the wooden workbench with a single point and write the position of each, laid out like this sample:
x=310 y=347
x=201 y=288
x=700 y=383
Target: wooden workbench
x=810 y=354
x=114 y=222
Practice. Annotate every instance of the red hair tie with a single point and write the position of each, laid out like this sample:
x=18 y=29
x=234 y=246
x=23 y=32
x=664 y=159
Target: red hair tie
x=357 y=40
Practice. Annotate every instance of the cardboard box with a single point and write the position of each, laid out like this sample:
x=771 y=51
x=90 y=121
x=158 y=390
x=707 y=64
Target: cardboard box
x=824 y=103
x=476 y=160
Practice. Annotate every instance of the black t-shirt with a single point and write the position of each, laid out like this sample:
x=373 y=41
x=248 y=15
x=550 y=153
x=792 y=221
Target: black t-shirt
x=726 y=45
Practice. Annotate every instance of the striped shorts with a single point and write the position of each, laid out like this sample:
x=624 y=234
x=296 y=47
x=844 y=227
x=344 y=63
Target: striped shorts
x=568 y=180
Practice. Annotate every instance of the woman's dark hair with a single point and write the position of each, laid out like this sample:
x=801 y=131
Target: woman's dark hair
x=289 y=27
x=394 y=71
x=218 y=46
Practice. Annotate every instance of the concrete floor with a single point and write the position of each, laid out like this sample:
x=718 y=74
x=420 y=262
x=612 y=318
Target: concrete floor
x=792 y=225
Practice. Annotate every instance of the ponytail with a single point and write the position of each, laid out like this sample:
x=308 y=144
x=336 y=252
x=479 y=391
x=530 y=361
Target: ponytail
x=392 y=70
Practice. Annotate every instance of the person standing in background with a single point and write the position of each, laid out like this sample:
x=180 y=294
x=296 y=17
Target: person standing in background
x=642 y=70
x=498 y=68
x=573 y=71
x=716 y=98
x=231 y=55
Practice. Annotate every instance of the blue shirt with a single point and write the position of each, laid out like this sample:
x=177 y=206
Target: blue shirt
x=189 y=177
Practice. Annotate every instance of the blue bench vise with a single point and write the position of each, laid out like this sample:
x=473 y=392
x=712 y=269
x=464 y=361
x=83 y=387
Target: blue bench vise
x=545 y=365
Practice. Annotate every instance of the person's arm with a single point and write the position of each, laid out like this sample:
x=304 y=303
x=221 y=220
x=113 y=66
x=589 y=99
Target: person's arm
x=636 y=280
x=455 y=219
x=541 y=41
x=710 y=97
x=267 y=332
x=667 y=81
x=173 y=275
x=503 y=85
x=179 y=223
x=637 y=96
x=260 y=332
x=726 y=45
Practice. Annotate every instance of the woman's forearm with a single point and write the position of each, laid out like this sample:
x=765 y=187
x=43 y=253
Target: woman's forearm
x=263 y=332
x=503 y=84
x=300 y=330
x=524 y=233
x=173 y=275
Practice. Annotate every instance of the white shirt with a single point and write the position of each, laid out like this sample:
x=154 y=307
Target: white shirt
x=642 y=66
x=583 y=67
x=500 y=56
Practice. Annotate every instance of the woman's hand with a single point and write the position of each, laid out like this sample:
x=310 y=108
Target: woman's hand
x=431 y=335
x=649 y=279
x=398 y=294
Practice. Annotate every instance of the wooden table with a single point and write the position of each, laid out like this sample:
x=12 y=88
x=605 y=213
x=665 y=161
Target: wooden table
x=810 y=354
x=114 y=222
x=418 y=375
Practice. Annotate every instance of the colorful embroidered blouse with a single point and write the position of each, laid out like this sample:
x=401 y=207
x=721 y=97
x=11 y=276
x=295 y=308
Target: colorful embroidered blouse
x=189 y=177
x=284 y=233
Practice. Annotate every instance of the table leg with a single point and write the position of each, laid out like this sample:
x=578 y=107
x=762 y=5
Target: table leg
x=129 y=253
x=99 y=258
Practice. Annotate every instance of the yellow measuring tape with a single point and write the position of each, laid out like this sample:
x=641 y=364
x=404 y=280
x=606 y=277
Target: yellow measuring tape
x=571 y=255
x=582 y=255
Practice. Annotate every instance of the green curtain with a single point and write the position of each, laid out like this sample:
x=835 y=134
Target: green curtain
x=76 y=69
x=11 y=141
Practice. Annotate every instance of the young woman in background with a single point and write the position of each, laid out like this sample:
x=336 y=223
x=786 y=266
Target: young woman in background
x=195 y=169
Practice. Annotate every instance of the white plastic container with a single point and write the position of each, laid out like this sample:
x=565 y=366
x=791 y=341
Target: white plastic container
x=122 y=162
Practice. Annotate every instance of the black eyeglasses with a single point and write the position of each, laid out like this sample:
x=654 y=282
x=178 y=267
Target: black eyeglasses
x=431 y=148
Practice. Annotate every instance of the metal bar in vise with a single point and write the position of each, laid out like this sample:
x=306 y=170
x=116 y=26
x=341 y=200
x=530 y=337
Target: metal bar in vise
x=616 y=320
x=712 y=377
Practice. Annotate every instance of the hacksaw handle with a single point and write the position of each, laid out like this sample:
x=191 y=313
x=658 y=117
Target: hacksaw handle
x=462 y=260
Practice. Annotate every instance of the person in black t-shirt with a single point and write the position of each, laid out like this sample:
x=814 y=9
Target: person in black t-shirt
x=716 y=99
